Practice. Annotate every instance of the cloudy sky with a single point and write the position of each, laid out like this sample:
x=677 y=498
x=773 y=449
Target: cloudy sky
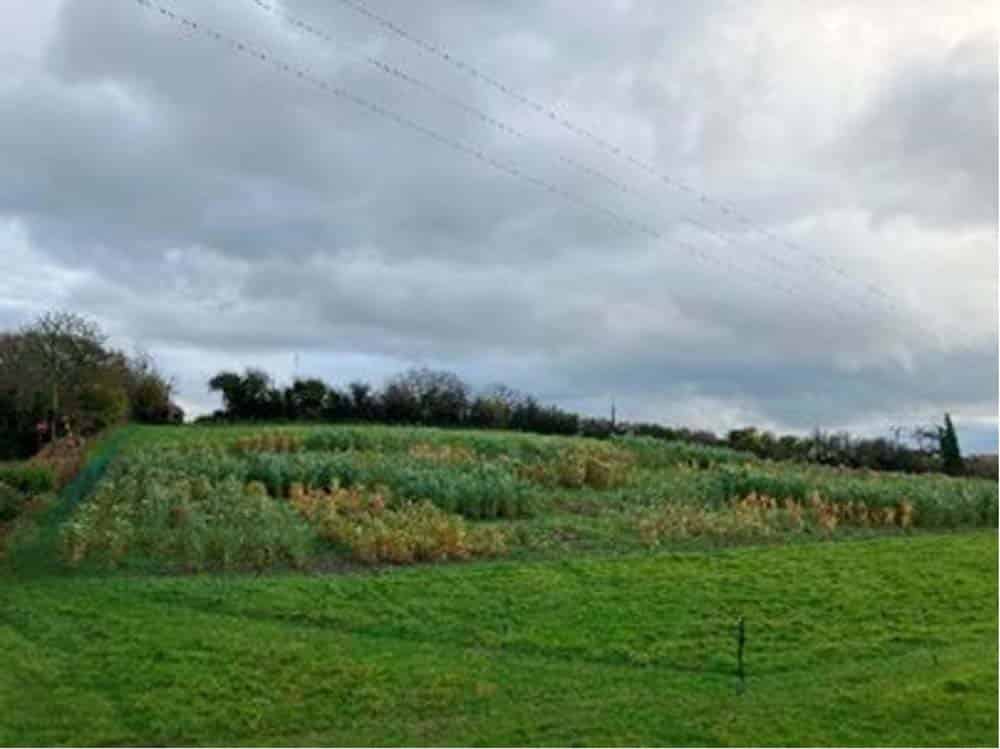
x=774 y=212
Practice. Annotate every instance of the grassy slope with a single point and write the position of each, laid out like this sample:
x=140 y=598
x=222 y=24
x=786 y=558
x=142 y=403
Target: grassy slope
x=891 y=641
x=888 y=641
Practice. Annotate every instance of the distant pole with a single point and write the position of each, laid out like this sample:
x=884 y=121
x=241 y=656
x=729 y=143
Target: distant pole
x=612 y=413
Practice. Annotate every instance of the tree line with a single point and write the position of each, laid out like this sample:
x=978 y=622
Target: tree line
x=417 y=396
x=440 y=398
x=59 y=376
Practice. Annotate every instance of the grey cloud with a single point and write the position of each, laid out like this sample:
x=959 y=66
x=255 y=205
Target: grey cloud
x=222 y=212
x=929 y=140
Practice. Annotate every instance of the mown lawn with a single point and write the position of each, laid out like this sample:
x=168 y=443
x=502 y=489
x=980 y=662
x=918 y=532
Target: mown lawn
x=889 y=641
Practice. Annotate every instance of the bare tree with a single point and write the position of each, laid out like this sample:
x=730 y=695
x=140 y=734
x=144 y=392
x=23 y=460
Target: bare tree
x=927 y=438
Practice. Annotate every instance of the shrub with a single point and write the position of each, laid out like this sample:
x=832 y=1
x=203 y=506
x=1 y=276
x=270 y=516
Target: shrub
x=64 y=458
x=982 y=466
x=102 y=404
x=28 y=478
x=11 y=501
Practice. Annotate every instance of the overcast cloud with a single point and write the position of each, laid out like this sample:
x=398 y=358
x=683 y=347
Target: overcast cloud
x=220 y=213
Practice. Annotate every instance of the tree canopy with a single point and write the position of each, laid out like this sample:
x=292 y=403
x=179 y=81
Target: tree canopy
x=59 y=374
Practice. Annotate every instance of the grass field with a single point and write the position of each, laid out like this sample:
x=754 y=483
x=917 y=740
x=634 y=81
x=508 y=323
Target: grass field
x=582 y=629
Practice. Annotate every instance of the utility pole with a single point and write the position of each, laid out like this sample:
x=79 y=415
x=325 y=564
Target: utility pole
x=612 y=413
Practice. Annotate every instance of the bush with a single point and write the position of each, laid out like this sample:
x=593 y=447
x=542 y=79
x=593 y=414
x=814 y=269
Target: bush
x=64 y=458
x=982 y=466
x=102 y=405
x=11 y=501
x=28 y=478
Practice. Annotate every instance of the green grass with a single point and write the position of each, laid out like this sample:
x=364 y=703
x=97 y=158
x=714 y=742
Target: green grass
x=885 y=642
x=27 y=478
x=581 y=637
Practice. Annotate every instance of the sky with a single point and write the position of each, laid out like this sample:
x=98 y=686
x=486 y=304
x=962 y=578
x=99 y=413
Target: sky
x=714 y=214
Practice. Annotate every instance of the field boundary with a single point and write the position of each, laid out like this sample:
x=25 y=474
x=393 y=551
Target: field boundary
x=36 y=554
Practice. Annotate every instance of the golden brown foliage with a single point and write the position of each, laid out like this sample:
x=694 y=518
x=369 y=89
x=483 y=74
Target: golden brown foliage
x=596 y=466
x=269 y=442
x=360 y=519
x=65 y=457
x=761 y=516
x=446 y=454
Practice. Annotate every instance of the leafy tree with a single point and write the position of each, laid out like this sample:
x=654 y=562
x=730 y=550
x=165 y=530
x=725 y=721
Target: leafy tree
x=260 y=398
x=65 y=351
x=530 y=416
x=337 y=405
x=951 y=455
x=58 y=372
x=102 y=404
x=363 y=401
x=427 y=396
x=526 y=415
x=489 y=412
x=150 y=402
x=598 y=428
x=150 y=393
x=400 y=402
x=743 y=439
x=306 y=399
x=229 y=384
x=251 y=395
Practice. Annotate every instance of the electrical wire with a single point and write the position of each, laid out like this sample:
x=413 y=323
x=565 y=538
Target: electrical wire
x=507 y=168
x=825 y=262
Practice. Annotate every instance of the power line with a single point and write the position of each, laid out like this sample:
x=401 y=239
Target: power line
x=510 y=130
x=827 y=263
x=507 y=168
x=499 y=125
